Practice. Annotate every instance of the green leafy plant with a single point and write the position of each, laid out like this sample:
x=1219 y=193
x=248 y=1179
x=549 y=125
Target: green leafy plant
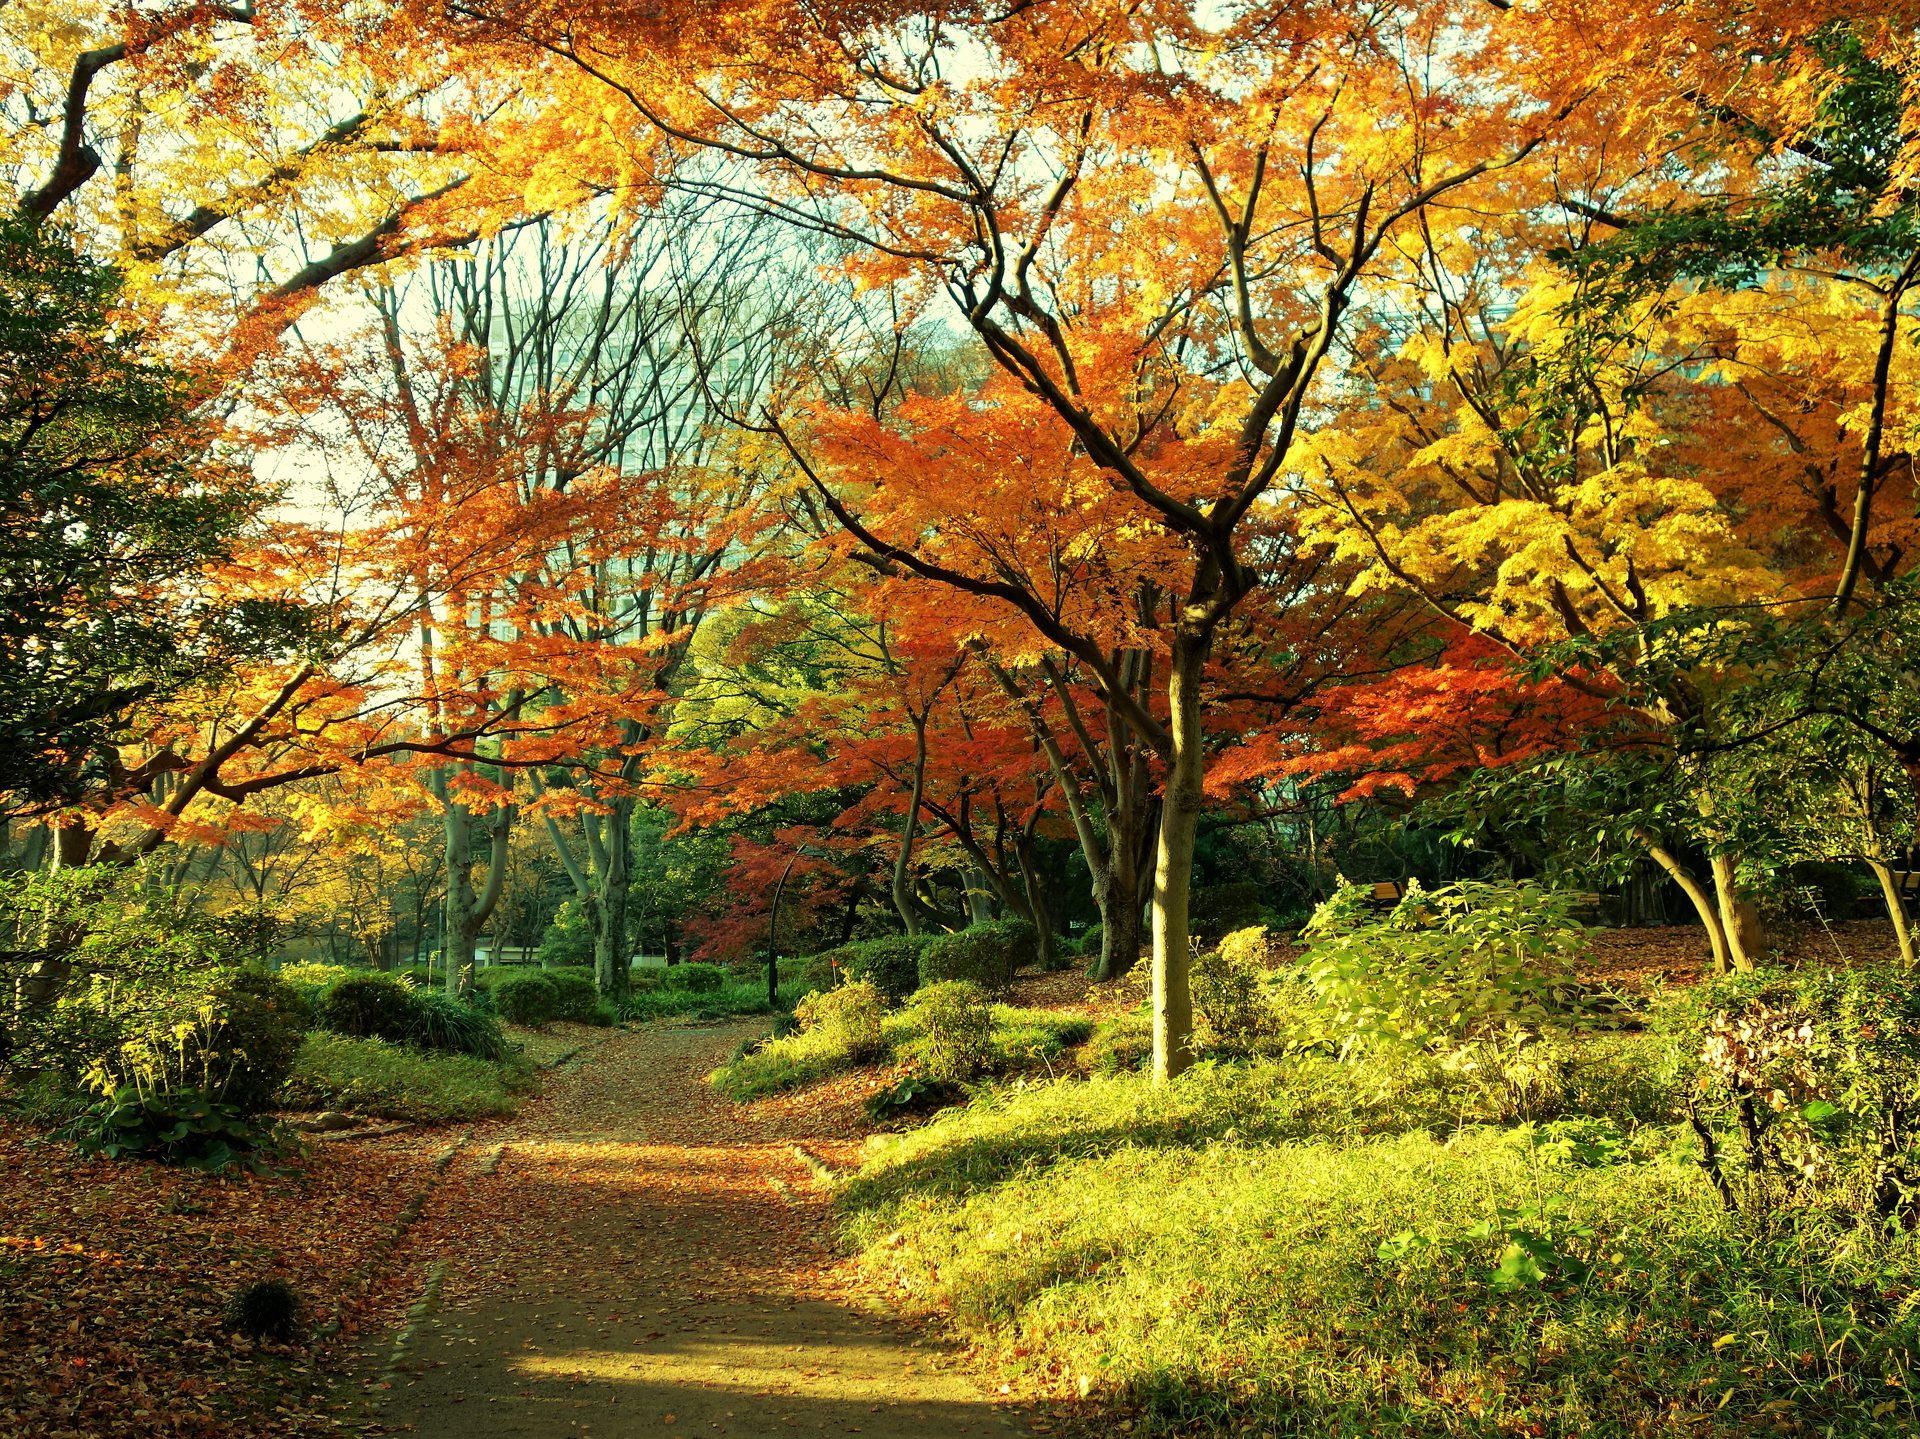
x=916 y=1094
x=1233 y=994
x=1539 y=1245
x=847 y=1016
x=230 y=1036
x=568 y=939
x=1817 y=1073
x=696 y=978
x=444 y=1023
x=1470 y=961
x=186 y=1127
x=952 y=1031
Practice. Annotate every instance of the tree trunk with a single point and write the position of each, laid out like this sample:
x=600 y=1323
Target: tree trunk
x=612 y=966
x=905 y=901
x=1115 y=862
x=851 y=917
x=1173 y=872
x=1896 y=908
x=1702 y=902
x=1042 y=919
x=456 y=822
x=1739 y=920
x=979 y=895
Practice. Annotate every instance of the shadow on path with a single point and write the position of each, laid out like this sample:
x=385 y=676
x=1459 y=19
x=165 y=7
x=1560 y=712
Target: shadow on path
x=632 y=1258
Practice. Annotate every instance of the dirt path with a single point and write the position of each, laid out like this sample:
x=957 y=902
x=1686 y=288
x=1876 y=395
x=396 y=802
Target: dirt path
x=631 y=1258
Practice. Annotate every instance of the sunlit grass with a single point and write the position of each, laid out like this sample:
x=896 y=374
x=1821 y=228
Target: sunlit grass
x=1209 y=1259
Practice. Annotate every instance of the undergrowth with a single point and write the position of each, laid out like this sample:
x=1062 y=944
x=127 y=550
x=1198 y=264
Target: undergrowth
x=393 y=1081
x=1301 y=1247
x=1021 y=1039
x=749 y=997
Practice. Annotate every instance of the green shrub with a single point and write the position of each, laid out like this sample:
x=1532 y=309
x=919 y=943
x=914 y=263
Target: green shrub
x=847 y=1016
x=447 y=1024
x=265 y=1309
x=371 y=1076
x=370 y=1006
x=823 y=965
x=1121 y=1043
x=749 y=997
x=1233 y=994
x=605 y=1014
x=527 y=997
x=311 y=980
x=891 y=964
x=986 y=954
x=228 y=1037
x=696 y=978
x=576 y=996
x=1465 y=962
x=1218 y=909
x=952 y=1031
x=315 y=975
x=1815 y=1076
x=1093 y=939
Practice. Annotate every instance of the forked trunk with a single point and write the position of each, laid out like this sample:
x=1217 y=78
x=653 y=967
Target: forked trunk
x=1696 y=892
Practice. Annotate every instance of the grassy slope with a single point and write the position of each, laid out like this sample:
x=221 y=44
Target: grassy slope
x=1209 y=1259
x=370 y=1076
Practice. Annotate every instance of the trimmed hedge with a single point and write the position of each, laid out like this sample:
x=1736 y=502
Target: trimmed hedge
x=696 y=978
x=576 y=996
x=988 y=955
x=891 y=964
x=530 y=998
x=370 y=1006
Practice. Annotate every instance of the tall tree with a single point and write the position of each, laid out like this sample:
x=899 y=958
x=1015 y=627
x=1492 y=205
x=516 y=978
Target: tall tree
x=1152 y=220
x=113 y=504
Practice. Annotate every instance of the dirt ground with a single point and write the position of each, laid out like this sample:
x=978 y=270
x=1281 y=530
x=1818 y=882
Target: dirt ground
x=633 y=1256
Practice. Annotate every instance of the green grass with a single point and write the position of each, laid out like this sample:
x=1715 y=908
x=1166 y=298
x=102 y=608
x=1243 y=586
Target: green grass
x=370 y=1076
x=734 y=999
x=1025 y=1038
x=1208 y=1259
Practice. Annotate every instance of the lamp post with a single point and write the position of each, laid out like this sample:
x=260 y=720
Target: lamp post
x=773 y=925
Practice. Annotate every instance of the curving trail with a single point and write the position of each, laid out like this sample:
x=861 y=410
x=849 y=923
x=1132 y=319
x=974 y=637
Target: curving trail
x=631 y=1257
